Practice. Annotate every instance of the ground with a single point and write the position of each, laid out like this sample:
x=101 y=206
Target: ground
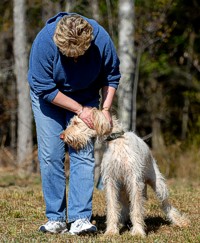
x=22 y=211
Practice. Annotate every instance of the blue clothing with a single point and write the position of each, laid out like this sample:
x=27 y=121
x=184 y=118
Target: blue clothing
x=50 y=71
x=50 y=122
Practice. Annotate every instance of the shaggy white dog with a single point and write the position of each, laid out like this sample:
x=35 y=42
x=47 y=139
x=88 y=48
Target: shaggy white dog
x=127 y=167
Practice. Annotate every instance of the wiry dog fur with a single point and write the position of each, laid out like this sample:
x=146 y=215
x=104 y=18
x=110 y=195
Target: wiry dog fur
x=127 y=167
x=78 y=133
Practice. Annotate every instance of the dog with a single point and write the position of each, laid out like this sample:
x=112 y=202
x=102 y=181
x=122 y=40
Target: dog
x=128 y=166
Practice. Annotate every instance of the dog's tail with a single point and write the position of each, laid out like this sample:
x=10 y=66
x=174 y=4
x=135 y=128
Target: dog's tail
x=174 y=216
x=161 y=190
x=158 y=183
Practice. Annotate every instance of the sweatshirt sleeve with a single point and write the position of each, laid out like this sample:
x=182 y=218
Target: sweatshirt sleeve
x=40 y=73
x=111 y=66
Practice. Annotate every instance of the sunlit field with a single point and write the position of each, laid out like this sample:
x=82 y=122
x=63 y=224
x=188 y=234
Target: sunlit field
x=22 y=211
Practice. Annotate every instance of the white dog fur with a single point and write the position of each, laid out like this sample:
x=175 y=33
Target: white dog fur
x=127 y=167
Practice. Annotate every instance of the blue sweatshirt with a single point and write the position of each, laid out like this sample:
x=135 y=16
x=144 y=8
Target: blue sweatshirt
x=50 y=71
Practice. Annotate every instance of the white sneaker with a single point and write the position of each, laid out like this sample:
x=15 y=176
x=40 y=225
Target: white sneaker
x=53 y=227
x=82 y=226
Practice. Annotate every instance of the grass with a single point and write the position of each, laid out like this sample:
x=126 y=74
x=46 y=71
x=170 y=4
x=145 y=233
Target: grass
x=22 y=211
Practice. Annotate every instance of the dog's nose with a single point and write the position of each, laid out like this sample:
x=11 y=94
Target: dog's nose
x=62 y=136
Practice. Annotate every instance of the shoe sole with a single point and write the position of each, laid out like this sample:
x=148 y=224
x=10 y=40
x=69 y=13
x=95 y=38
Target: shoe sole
x=51 y=232
x=85 y=232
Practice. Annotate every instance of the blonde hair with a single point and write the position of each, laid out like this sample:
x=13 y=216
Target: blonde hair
x=73 y=35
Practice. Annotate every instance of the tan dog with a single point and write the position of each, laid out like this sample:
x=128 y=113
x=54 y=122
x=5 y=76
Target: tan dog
x=78 y=133
x=127 y=167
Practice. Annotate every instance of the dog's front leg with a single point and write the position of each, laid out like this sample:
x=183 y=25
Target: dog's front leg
x=113 y=208
x=137 y=209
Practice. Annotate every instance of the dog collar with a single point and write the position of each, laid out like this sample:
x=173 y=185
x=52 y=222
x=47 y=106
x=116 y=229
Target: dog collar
x=114 y=136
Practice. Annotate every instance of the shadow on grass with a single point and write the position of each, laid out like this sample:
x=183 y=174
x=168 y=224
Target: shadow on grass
x=100 y=222
x=152 y=224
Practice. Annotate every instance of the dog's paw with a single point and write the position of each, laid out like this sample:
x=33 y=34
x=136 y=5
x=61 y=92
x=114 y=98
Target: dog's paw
x=138 y=231
x=111 y=232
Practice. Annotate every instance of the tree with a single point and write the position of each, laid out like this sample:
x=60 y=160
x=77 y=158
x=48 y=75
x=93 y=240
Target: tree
x=95 y=9
x=49 y=9
x=24 y=132
x=168 y=71
x=127 y=56
x=98 y=146
x=69 y=5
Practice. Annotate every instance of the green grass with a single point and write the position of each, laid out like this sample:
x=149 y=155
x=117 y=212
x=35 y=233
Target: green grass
x=22 y=211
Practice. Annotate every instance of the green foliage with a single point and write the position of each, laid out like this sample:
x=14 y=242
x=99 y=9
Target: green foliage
x=167 y=34
x=160 y=66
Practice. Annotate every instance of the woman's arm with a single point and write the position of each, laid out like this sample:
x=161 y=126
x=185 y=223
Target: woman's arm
x=108 y=94
x=68 y=103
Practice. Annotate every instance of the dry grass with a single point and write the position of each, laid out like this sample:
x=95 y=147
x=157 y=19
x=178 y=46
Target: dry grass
x=22 y=212
x=178 y=161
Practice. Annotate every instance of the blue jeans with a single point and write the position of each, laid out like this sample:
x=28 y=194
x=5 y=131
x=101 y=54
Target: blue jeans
x=50 y=122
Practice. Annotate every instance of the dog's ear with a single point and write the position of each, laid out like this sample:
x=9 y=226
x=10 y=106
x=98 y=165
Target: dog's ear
x=101 y=124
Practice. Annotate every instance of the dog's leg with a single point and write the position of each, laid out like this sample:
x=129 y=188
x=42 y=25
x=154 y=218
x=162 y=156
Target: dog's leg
x=125 y=205
x=137 y=207
x=113 y=209
x=157 y=182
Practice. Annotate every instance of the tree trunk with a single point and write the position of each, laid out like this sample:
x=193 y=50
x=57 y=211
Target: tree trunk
x=110 y=19
x=135 y=88
x=49 y=9
x=70 y=4
x=157 y=110
x=185 y=114
x=95 y=9
x=185 y=118
x=24 y=132
x=13 y=122
x=126 y=55
x=98 y=146
x=158 y=143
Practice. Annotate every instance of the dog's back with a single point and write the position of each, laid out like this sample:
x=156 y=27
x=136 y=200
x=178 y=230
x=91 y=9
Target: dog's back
x=126 y=155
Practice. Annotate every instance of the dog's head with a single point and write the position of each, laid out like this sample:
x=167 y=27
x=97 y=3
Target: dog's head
x=78 y=134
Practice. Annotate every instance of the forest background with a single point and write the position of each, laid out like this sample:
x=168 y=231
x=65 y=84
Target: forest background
x=159 y=96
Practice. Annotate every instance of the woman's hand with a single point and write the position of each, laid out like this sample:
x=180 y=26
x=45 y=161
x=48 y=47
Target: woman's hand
x=86 y=116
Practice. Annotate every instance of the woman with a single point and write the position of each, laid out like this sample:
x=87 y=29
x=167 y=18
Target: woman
x=71 y=60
